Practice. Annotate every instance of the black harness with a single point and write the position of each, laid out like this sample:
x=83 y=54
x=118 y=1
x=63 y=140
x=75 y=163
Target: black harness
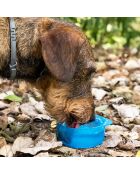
x=13 y=62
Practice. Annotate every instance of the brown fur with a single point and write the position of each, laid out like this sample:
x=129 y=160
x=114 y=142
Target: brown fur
x=68 y=57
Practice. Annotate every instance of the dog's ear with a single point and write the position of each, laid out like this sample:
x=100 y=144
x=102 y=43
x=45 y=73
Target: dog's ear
x=60 y=50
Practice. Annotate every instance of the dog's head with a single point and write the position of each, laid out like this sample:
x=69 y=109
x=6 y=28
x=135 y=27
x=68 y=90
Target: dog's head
x=61 y=46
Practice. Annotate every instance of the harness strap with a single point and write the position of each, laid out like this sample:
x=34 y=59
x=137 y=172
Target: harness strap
x=13 y=62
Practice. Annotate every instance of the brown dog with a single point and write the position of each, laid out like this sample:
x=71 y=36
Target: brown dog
x=55 y=56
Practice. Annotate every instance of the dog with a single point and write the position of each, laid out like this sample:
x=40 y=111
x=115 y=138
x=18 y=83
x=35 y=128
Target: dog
x=57 y=58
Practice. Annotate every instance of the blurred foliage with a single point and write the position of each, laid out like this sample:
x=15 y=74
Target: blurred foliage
x=110 y=32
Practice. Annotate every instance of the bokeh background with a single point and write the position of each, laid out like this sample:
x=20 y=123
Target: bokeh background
x=110 y=32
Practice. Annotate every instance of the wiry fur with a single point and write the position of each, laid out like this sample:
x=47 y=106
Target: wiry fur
x=67 y=55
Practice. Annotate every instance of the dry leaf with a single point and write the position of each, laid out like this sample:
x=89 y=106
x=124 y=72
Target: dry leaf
x=28 y=109
x=41 y=146
x=124 y=92
x=136 y=95
x=111 y=73
x=21 y=143
x=125 y=110
x=39 y=106
x=46 y=135
x=27 y=145
x=6 y=151
x=3 y=105
x=135 y=76
x=42 y=117
x=23 y=118
x=3 y=121
x=137 y=120
x=10 y=120
x=117 y=100
x=100 y=81
x=42 y=154
x=66 y=150
x=2 y=142
x=98 y=93
x=132 y=64
x=4 y=94
x=100 y=66
x=122 y=81
x=120 y=153
x=116 y=128
x=112 y=140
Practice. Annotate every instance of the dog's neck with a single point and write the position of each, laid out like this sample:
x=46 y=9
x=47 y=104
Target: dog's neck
x=27 y=69
x=29 y=58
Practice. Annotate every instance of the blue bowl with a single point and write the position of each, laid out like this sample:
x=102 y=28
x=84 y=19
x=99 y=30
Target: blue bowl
x=88 y=135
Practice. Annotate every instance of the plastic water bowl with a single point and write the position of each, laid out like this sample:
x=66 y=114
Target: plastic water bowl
x=88 y=135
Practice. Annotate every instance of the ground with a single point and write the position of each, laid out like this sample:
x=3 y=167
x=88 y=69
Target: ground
x=26 y=129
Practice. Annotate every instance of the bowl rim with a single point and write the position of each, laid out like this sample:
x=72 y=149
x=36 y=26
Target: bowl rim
x=85 y=126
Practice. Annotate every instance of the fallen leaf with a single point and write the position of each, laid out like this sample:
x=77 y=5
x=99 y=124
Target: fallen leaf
x=42 y=154
x=116 y=128
x=41 y=146
x=3 y=121
x=111 y=73
x=4 y=94
x=27 y=145
x=10 y=120
x=122 y=81
x=21 y=143
x=136 y=95
x=124 y=92
x=46 y=135
x=112 y=140
x=13 y=98
x=132 y=64
x=23 y=118
x=137 y=120
x=14 y=108
x=100 y=66
x=42 y=117
x=120 y=153
x=39 y=106
x=126 y=110
x=117 y=100
x=129 y=145
x=102 y=109
x=66 y=150
x=135 y=76
x=99 y=81
x=3 y=105
x=98 y=93
x=6 y=151
x=133 y=135
x=2 y=142
x=28 y=109
x=127 y=120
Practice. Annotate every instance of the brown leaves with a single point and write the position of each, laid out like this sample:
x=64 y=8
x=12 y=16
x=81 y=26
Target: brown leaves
x=28 y=130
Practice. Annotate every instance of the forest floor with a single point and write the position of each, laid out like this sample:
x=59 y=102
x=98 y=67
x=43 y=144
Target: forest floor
x=26 y=129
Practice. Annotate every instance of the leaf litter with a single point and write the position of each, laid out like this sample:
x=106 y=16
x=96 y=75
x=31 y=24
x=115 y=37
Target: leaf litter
x=27 y=129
